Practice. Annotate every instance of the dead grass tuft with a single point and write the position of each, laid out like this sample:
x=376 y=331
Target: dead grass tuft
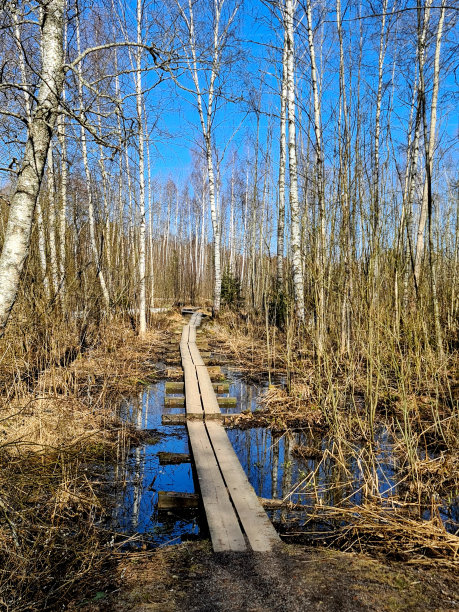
x=387 y=531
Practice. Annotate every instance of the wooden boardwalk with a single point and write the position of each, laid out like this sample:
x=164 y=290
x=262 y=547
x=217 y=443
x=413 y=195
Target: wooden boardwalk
x=236 y=519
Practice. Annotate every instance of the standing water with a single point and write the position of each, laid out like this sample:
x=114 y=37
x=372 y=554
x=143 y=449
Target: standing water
x=271 y=461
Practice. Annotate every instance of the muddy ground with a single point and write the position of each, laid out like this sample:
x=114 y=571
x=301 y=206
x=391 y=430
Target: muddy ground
x=189 y=577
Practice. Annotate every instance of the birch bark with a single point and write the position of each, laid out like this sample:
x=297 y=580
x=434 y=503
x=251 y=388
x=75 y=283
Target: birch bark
x=320 y=178
x=376 y=169
x=17 y=236
x=52 y=222
x=282 y=168
x=92 y=222
x=140 y=135
x=298 y=281
x=414 y=154
x=206 y=111
x=431 y=148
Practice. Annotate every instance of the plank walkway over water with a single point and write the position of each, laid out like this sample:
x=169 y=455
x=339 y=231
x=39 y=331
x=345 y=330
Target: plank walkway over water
x=236 y=519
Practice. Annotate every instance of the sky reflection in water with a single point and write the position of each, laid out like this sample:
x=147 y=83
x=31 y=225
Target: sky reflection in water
x=268 y=460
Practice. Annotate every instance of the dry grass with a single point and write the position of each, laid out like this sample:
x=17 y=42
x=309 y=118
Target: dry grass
x=119 y=362
x=411 y=396
x=370 y=528
x=45 y=424
x=245 y=344
x=58 y=435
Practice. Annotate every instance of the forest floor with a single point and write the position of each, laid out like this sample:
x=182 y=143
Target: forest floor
x=190 y=577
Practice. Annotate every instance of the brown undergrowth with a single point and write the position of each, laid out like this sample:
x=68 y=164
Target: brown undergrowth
x=59 y=434
x=386 y=531
x=348 y=402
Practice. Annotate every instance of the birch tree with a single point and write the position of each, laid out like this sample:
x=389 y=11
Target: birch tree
x=206 y=102
x=298 y=280
x=97 y=255
x=39 y=133
x=282 y=168
x=430 y=148
x=140 y=136
x=320 y=181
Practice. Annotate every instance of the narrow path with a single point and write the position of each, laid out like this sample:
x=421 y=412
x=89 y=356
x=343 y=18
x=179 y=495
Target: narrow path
x=236 y=519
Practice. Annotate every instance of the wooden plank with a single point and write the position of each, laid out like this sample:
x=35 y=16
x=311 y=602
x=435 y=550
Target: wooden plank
x=181 y=419
x=192 y=396
x=188 y=399
x=173 y=419
x=178 y=387
x=223 y=524
x=259 y=530
x=209 y=399
x=227 y=495
x=226 y=402
x=189 y=309
x=195 y=354
x=215 y=373
x=185 y=334
x=174 y=387
x=174 y=402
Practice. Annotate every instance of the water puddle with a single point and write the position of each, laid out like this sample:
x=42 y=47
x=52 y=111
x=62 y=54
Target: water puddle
x=272 y=462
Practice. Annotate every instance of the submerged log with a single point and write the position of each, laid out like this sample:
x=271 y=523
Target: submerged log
x=168 y=500
x=173 y=458
x=274 y=504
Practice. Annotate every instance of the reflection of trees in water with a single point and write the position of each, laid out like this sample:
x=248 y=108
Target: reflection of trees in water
x=275 y=443
x=286 y=484
x=138 y=465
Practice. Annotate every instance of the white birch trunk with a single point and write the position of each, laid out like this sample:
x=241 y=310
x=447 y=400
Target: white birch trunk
x=433 y=125
x=52 y=222
x=63 y=210
x=92 y=223
x=151 y=300
x=105 y=194
x=28 y=109
x=320 y=178
x=298 y=281
x=282 y=168
x=244 y=233
x=376 y=171
x=17 y=237
x=413 y=169
x=206 y=118
x=42 y=246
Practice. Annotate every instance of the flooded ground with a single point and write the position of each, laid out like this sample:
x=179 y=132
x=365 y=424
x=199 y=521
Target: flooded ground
x=321 y=474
